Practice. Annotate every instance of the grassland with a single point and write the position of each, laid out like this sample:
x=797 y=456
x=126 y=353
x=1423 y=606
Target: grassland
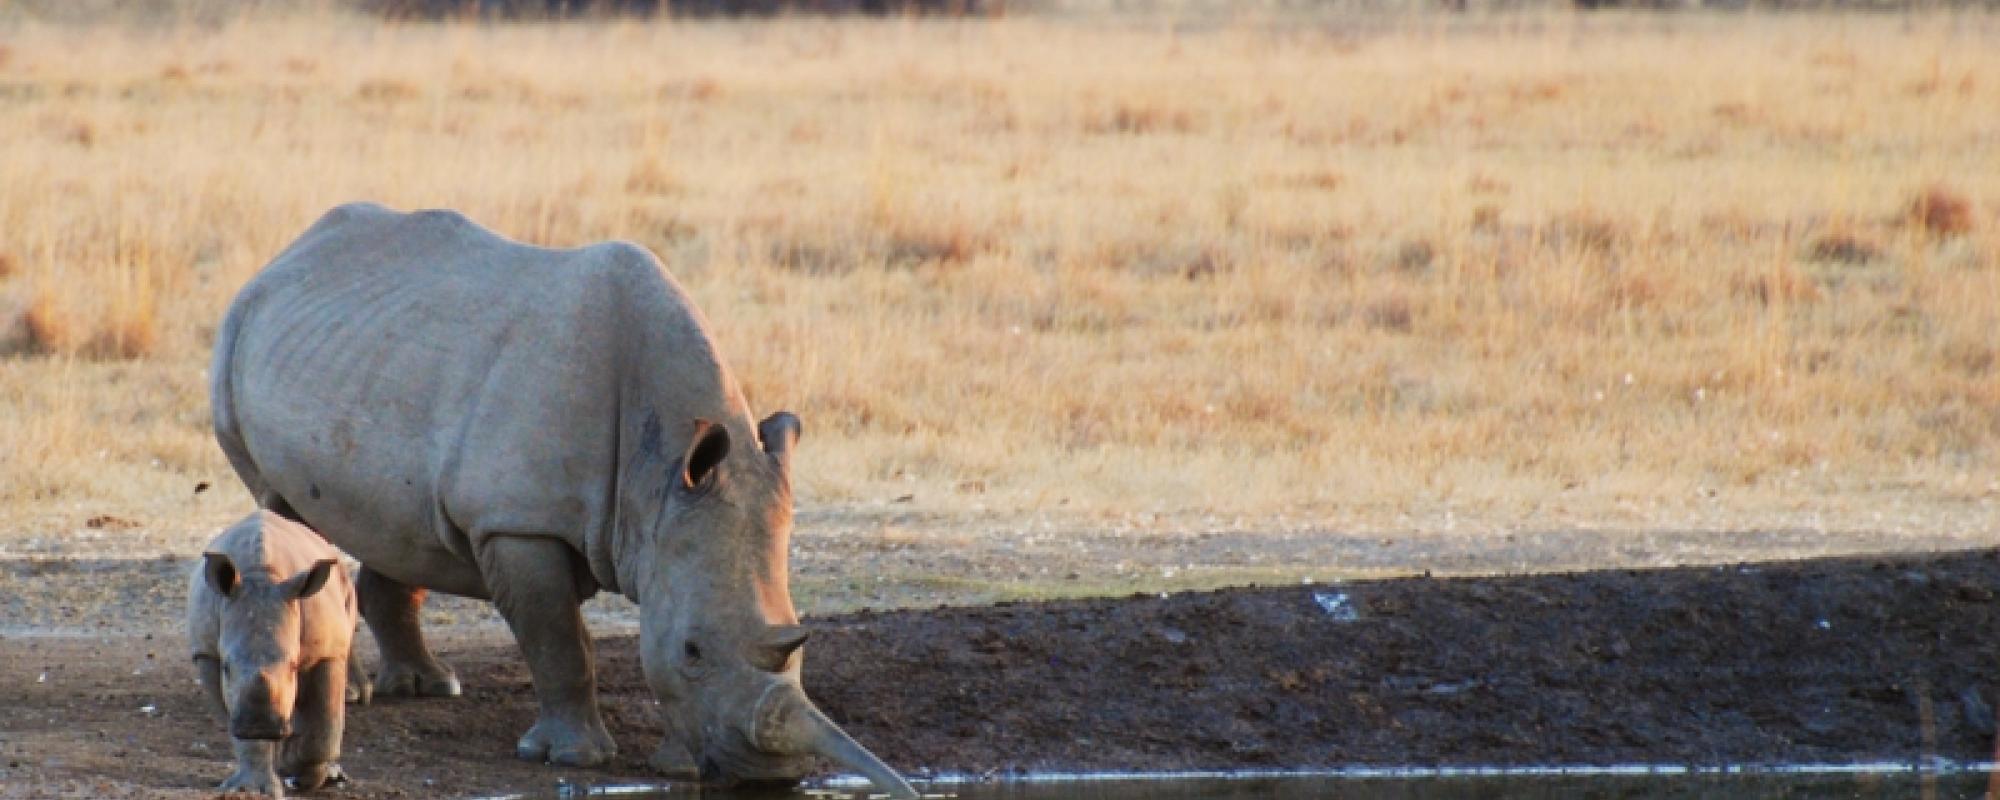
x=1429 y=274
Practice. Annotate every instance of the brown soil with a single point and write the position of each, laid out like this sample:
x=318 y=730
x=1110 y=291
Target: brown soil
x=1834 y=660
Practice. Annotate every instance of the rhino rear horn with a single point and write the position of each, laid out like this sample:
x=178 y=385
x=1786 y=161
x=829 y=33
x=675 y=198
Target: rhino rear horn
x=780 y=433
x=220 y=572
x=780 y=641
x=705 y=452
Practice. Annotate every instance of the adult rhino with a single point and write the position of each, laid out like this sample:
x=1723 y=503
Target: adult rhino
x=472 y=415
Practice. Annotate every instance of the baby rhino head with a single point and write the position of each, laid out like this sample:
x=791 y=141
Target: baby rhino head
x=260 y=642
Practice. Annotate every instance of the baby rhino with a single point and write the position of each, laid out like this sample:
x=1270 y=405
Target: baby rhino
x=271 y=617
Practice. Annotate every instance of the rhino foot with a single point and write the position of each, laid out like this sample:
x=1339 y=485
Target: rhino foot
x=567 y=744
x=395 y=682
x=315 y=776
x=262 y=781
x=673 y=761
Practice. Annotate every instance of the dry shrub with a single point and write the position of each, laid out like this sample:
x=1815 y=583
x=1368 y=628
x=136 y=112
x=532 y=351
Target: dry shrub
x=79 y=132
x=1843 y=247
x=8 y=266
x=649 y=176
x=1414 y=256
x=1205 y=264
x=387 y=90
x=1736 y=113
x=51 y=328
x=1585 y=230
x=1486 y=184
x=918 y=239
x=1781 y=284
x=15 y=334
x=1538 y=91
x=122 y=333
x=1139 y=119
x=1486 y=217
x=1391 y=312
x=1940 y=211
x=1631 y=288
x=702 y=89
x=1325 y=180
x=812 y=259
x=1971 y=357
x=128 y=322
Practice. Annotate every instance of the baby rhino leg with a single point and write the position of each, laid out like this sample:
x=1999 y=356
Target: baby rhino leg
x=253 y=769
x=317 y=722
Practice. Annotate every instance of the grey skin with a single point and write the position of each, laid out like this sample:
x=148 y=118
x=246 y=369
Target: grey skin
x=271 y=621
x=468 y=414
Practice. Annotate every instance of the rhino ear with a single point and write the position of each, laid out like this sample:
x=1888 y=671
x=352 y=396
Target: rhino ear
x=220 y=573
x=309 y=582
x=709 y=446
x=780 y=433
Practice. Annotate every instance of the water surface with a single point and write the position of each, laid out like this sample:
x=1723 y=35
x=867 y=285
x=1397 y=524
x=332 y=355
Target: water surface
x=1638 y=783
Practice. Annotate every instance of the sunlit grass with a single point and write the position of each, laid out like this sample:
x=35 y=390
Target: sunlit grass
x=1556 y=268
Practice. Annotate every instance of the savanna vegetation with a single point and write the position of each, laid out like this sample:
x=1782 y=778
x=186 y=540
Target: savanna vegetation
x=1466 y=273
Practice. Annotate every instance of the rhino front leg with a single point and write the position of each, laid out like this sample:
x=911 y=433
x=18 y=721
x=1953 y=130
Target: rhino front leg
x=535 y=589
x=253 y=769
x=391 y=609
x=208 y=671
x=317 y=722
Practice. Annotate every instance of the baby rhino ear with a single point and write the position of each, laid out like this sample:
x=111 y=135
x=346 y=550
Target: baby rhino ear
x=220 y=573
x=309 y=582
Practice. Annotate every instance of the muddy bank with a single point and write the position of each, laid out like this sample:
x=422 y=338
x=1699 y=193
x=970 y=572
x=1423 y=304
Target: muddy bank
x=1848 y=659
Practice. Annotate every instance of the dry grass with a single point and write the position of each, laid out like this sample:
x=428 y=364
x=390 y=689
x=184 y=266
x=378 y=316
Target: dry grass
x=1549 y=270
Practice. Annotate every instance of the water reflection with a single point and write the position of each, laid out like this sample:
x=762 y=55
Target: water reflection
x=1859 y=785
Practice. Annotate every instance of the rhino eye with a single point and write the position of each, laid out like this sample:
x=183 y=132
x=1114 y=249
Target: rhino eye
x=692 y=650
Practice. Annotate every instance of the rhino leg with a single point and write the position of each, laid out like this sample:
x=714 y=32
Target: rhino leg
x=318 y=719
x=208 y=670
x=534 y=585
x=359 y=689
x=253 y=769
x=391 y=609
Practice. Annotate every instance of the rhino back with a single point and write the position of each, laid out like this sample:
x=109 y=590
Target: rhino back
x=408 y=381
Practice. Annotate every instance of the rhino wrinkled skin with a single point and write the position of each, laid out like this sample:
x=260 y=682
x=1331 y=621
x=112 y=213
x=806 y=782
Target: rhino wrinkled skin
x=469 y=414
x=271 y=620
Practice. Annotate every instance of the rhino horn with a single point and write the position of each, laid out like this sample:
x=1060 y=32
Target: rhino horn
x=780 y=641
x=792 y=724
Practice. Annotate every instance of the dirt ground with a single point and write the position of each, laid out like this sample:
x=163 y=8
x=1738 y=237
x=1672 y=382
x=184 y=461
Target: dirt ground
x=1831 y=660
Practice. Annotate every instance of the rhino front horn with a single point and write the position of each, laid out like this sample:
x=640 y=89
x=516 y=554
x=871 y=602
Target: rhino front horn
x=792 y=724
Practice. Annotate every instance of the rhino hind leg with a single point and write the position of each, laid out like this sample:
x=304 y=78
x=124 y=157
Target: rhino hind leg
x=534 y=585
x=391 y=609
x=360 y=690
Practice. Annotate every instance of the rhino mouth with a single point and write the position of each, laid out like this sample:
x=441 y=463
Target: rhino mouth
x=747 y=769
